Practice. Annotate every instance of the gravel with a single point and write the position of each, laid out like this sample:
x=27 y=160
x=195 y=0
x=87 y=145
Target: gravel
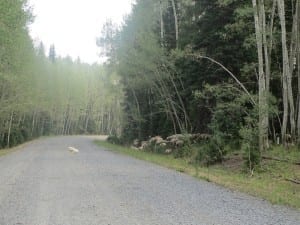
x=46 y=184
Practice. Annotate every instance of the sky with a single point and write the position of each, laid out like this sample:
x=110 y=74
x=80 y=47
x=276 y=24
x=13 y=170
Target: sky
x=73 y=25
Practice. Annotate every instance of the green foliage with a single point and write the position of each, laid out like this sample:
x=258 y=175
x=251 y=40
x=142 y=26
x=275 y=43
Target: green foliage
x=250 y=147
x=42 y=95
x=183 y=152
x=113 y=139
x=211 y=152
x=228 y=105
x=152 y=95
x=156 y=148
x=152 y=83
x=167 y=90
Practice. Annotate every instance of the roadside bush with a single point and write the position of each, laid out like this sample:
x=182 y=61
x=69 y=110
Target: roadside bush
x=113 y=139
x=184 y=151
x=250 y=139
x=14 y=139
x=250 y=147
x=25 y=134
x=202 y=156
x=153 y=146
x=211 y=152
x=157 y=148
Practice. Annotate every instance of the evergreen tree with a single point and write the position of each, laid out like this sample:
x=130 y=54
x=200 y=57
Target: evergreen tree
x=52 y=53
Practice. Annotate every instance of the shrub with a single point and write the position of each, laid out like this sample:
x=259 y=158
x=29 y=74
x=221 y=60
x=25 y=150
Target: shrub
x=250 y=146
x=113 y=139
x=183 y=151
x=152 y=146
x=211 y=152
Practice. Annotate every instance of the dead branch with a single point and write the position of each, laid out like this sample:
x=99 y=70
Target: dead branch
x=293 y=181
x=280 y=160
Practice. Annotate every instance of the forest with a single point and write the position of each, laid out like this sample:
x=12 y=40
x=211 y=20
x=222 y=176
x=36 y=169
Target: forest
x=226 y=70
x=43 y=94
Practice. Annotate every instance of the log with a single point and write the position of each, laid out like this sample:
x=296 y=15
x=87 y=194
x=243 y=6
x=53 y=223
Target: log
x=293 y=181
x=280 y=160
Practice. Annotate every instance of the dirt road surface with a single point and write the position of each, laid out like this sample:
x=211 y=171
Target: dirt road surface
x=46 y=184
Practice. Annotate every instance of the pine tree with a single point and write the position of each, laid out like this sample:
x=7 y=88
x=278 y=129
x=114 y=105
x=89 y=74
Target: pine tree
x=52 y=53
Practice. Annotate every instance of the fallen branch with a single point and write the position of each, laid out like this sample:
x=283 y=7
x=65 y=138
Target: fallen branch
x=228 y=71
x=293 y=181
x=280 y=160
x=275 y=159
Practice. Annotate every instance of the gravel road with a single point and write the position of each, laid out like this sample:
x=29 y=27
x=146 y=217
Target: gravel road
x=45 y=184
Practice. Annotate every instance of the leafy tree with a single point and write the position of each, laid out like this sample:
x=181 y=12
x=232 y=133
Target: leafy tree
x=40 y=97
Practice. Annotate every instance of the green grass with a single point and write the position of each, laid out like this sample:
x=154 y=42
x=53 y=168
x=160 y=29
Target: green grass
x=269 y=183
x=6 y=151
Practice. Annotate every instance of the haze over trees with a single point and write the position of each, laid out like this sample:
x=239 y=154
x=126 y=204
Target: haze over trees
x=47 y=95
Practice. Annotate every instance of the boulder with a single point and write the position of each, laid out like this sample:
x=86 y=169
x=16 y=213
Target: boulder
x=168 y=151
x=144 y=145
x=156 y=140
x=163 y=144
x=175 y=137
x=136 y=143
x=176 y=140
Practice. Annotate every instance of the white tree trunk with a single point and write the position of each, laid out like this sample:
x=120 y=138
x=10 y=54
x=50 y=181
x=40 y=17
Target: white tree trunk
x=162 y=33
x=262 y=105
x=287 y=76
x=176 y=22
x=298 y=64
x=9 y=129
